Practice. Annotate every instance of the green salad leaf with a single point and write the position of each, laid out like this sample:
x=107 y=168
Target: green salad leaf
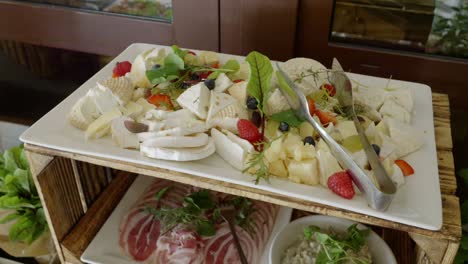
x=261 y=72
x=289 y=117
x=171 y=70
x=179 y=52
x=283 y=85
x=18 y=193
x=229 y=66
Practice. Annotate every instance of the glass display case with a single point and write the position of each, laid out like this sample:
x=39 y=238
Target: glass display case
x=430 y=26
x=149 y=9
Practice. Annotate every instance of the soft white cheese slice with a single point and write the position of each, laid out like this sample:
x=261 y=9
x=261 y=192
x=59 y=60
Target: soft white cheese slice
x=406 y=137
x=103 y=98
x=393 y=110
x=370 y=96
x=83 y=113
x=196 y=99
x=146 y=106
x=121 y=136
x=297 y=67
x=222 y=83
x=230 y=151
x=276 y=103
x=197 y=140
x=228 y=123
x=191 y=128
x=328 y=165
x=246 y=145
x=402 y=96
x=121 y=88
x=179 y=154
x=132 y=109
x=179 y=118
x=239 y=91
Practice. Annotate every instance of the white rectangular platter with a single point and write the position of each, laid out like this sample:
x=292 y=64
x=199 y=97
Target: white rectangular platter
x=105 y=248
x=417 y=202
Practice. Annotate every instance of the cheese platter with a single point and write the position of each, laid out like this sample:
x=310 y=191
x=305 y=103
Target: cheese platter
x=207 y=127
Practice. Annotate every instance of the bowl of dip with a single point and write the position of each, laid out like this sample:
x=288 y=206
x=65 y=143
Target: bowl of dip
x=289 y=245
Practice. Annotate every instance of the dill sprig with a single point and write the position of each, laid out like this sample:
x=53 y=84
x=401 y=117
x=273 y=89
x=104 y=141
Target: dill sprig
x=257 y=163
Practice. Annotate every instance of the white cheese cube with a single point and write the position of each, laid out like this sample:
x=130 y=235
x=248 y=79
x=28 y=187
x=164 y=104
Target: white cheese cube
x=222 y=83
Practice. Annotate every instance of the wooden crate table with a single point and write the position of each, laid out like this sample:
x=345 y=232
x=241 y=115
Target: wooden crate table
x=79 y=192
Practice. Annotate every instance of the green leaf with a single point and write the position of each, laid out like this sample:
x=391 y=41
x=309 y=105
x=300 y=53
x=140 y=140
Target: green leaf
x=205 y=228
x=23 y=179
x=201 y=199
x=23 y=160
x=229 y=66
x=161 y=193
x=9 y=218
x=284 y=86
x=310 y=230
x=321 y=237
x=289 y=117
x=10 y=161
x=21 y=229
x=260 y=78
x=14 y=202
x=179 y=52
x=173 y=59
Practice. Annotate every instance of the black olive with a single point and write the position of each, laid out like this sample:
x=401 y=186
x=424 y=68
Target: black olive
x=252 y=103
x=309 y=140
x=283 y=126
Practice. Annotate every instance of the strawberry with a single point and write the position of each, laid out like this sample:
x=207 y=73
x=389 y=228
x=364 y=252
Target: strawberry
x=341 y=183
x=161 y=100
x=237 y=81
x=329 y=88
x=191 y=52
x=121 y=68
x=216 y=65
x=204 y=75
x=326 y=117
x=312 y=108
x=248 y=131
x=405 y=167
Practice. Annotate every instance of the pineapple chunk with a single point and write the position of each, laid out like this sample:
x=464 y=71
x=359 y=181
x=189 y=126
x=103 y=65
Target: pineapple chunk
x=304 y=171
x=278 y=168
x=346 y=129
x=275 y=151
x=304 y=152
x=306 y=130
x=271 y=130
x=291 y=143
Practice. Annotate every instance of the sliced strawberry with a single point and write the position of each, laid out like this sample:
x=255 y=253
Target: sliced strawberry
x=204 y=75
x=216 y=65
x=312 y=108
x=248 y=131
x=161 y=100
x=329 y=88
x=405 y=167
x=237 y=81
x=341 y=183
x=191 y=52
x=121 y=68
x=326 y=117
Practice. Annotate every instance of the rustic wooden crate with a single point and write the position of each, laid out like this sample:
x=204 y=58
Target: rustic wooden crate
x=79 y=193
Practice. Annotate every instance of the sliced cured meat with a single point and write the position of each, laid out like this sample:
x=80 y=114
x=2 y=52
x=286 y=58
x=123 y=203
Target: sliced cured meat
x=142 y=240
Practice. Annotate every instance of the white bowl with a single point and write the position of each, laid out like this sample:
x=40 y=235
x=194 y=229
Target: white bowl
x=379 y=250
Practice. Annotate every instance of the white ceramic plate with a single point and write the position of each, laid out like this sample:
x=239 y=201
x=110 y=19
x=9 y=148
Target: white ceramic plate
x=104 y=248
x=417 y=203
x=380 y=252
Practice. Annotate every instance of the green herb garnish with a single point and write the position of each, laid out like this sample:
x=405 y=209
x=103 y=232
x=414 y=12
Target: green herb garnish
x=289 y=117
x=18 y=193
x=200 y=212
x=258 y=164
x=335 y=249
x=229 y=66
x=261 y=72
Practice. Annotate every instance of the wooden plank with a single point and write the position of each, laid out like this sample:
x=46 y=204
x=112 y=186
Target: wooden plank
x=61 y=196
x=37 y=163
x=448 y=181
x=79 y=185
x=450 y=231
x=93 y=178
x=86 y=229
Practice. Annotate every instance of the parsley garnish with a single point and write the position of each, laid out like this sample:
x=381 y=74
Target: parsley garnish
x=335 y=249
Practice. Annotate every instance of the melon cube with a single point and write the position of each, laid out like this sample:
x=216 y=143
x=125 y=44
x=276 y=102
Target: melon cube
x=305 y=171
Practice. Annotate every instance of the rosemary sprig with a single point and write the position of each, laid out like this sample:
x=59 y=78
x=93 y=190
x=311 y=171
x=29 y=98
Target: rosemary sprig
x=258 y=164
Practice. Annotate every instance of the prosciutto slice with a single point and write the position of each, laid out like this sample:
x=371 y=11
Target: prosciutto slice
x=142 y=240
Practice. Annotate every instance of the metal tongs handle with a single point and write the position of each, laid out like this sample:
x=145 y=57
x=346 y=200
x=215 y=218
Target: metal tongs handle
x=376 y=198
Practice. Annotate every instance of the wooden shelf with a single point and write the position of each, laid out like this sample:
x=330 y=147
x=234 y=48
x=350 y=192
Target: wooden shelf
x=91 y=195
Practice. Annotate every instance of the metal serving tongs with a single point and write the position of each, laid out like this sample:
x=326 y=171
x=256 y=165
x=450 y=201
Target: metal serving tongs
x=378 y=197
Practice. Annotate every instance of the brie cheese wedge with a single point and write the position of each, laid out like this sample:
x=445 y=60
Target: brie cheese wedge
x=121 y=88
x=121 y=136
x=229 y=150
x=370 y=96
x=328 y=165
x=196 y=99
x=297 y=67
x=103 y=98
x=402 y=96
x=197 y=140
x=393 y=110
x=227 y=123
x=132 y=109
x=222 y=83
x=406 y=137
x=239 y=91
x=179 y=154
x=83 y=113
